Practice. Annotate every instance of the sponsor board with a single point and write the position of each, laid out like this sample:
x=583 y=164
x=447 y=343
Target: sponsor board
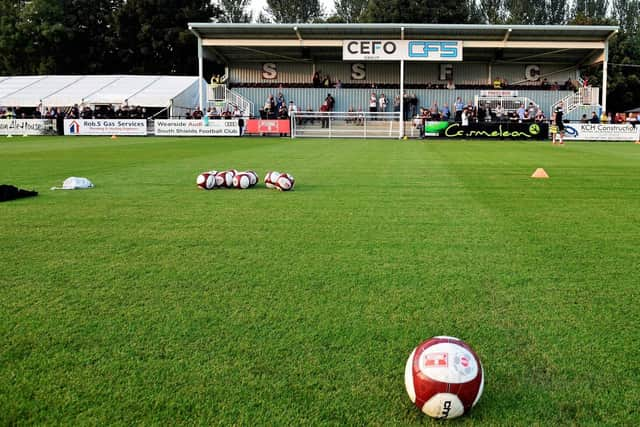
x=515 y=131
x=600 y=132
x=223 y=127
x=24 y=126
x=105 y=127
x=261 y=127
x=396 y=50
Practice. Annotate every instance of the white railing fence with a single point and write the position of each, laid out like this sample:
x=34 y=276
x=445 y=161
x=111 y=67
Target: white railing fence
x=345 y=124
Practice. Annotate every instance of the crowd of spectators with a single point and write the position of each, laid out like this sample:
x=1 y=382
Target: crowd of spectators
x=75 y=112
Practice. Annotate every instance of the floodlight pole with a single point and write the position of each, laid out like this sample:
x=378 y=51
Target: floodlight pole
x=604 y=76
x=200 y=74
x=401 y=119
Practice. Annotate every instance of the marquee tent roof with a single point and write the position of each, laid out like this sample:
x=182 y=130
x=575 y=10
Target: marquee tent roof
x=233 y=43
x=147 y=91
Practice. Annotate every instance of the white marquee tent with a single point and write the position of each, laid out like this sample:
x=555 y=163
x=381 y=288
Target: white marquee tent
x=177 y=93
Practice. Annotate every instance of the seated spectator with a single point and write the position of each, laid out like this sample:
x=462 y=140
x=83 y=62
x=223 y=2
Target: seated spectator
x=539 y=117
x=197 y=114
x=497 y=83
x=450 y=84
x=227 y=114
x=568 y=85
x=555 y=86
x=544 y=84
x=396 y=104
x=594 y=118
x=584 y=119
x=214 y=114
x=326 y=82
x=338 y=84
x=283 y=113
x=360 y=117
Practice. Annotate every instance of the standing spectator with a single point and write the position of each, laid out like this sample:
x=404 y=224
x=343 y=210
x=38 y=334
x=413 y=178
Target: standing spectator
x=326 y=82
x=316 y=79
x=531 y=111
x=413 y=104
x=446 y=112
x=396 y=104
x=331 y=102
x=373 y=102
x=522 y=113
x=464 y=117
x=459 y=107
x=324 y=116
x=499 y=113
x=540 y=118
x=293 y=109
x=382 y=103
x=482 y=113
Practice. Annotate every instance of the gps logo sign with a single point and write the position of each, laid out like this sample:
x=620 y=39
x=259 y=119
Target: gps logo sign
x=396 y=50
x=434 y=50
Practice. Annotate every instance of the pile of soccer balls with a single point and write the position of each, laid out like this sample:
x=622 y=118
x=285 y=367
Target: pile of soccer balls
x=232 y=178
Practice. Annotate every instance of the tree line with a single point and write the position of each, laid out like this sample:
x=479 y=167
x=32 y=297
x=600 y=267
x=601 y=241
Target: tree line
x=151 y=36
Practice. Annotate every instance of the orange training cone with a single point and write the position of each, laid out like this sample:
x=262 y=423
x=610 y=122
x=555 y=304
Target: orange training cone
x=113 y=137
x=540 y=173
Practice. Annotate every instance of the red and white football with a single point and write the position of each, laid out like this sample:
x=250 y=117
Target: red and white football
x=221 y=178
x=228 y=178
x=284 y=182
x=242 y=181
x=270 y=179
x=206 y=181
x=253 y=176
x=444 y=377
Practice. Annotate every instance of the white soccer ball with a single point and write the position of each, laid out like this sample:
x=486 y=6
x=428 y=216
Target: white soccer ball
x=444 y=377
x=242 y=181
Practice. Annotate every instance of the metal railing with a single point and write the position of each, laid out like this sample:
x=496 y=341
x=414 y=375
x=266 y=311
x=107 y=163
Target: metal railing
x=358 y=124
x=585 y=96
x=221 y=95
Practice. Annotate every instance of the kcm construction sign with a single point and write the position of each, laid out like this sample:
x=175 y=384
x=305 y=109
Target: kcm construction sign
x=396 y=50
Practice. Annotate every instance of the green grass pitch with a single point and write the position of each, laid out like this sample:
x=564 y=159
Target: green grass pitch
x=149 y=301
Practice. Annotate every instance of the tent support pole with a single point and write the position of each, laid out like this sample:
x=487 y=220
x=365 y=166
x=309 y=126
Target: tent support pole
x=200 y=75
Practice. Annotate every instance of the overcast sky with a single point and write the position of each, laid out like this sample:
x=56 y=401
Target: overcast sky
x=258 y=5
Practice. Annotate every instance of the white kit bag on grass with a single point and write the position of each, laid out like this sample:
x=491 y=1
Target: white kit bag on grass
x=74 y=183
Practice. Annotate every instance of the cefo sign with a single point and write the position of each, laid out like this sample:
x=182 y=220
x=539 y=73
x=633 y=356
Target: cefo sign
x=396 y=50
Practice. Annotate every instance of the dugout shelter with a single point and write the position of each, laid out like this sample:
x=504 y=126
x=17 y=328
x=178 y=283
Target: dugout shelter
x=535 y=61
